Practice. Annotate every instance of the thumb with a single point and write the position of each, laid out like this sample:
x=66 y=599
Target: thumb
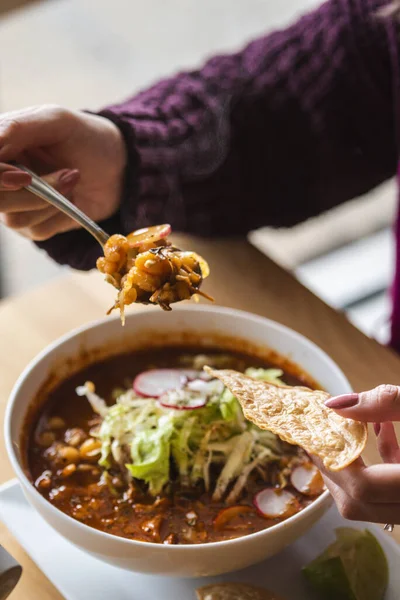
x=378 y=405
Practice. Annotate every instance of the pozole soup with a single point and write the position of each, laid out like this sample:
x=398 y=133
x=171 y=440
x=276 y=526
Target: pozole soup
x=147 y=446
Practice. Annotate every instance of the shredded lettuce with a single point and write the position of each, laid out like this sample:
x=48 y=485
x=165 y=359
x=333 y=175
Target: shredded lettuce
x=181 y=450
x=144 y=438
x=200 y=459
x=269 y=375
x=229 y=406
x=150 y=451
x=235 y=460
x=98 y=404
x=264 y=456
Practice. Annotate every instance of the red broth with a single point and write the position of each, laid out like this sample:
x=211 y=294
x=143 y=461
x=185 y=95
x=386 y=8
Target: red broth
x=62 y=461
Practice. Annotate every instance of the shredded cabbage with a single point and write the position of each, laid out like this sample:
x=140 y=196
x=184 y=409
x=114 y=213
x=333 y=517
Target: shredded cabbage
x=269 y=375
x=98 y=404
x=150 y=452
x=181 y=450
x=144 y=438
x=235 y=460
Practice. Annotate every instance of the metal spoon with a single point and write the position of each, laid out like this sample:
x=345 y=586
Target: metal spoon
x=10 y=572
x=49 y=194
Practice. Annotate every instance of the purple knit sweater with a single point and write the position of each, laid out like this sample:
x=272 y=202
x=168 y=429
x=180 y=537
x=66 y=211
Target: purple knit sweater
x=297 y=122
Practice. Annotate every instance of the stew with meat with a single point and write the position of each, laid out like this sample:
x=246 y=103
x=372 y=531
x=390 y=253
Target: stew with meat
x=147 y=446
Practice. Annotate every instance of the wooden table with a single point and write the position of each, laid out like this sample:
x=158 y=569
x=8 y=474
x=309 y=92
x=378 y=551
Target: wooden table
x=6 y=6
x=31 y=321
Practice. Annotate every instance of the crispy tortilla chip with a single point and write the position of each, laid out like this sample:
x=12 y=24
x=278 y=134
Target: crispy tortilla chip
x=234 y=591
x=298 y=416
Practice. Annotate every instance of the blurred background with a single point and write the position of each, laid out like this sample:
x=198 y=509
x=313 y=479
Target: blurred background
x=87 y=53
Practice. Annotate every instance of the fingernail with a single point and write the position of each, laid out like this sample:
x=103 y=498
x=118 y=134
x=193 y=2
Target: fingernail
x=13 y=178
x=68 y=177
x=343 y=401
x=377 y=428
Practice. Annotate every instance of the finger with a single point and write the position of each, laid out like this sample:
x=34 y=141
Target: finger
x=359 y=511
x=15 y=201
x=377 y=428
x=374 y=513
x=32 y=127
x=59 y=223
x=378 y=405
x=12 y=178
x=374 y=484
x=64 y=181
x=336 y=492
x=8 y=168
x=388 y=445
x=29 y=218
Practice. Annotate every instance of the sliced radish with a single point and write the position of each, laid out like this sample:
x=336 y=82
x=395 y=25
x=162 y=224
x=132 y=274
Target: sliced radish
x=154 y=383
x=207 y=388
x=273 y=503
x=182 y=400
x=191 y=374
x=206 y=376
x=307 y=480
x=228 y=514
x=198 y=385
x=148 y=234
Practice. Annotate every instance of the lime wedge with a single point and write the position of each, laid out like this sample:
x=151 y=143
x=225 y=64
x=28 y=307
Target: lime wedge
x=354 y=567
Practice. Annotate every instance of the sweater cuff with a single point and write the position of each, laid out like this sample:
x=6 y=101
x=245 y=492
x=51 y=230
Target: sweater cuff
x=130 y=190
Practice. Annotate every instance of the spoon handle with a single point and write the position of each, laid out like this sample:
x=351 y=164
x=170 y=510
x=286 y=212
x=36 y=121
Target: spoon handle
x=49 y=194
x=10 y=572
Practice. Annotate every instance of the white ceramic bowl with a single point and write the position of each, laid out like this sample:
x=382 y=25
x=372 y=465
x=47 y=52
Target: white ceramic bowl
x=207 y=322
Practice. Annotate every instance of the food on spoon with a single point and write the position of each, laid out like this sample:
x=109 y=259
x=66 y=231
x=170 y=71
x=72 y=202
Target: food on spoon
x=235 y=591
x=147 y=269
x=299 y=416
x=354 y=567
x=157 y=450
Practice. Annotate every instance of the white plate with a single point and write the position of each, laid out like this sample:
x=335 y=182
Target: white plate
x=78 y=576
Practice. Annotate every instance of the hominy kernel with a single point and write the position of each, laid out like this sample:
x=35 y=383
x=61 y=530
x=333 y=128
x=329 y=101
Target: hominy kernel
x=75 y=436
x=68 y=470
x=113 y=256
x=84 y=468
x=46 y=439
x=109 y=267
x=100 y=264
x=56 y=423
x=90 y=449
x=68 y=454
x=44 y=481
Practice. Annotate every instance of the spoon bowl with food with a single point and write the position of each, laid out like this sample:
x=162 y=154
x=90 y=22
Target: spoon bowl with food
x=143 y=266
x=147 y=269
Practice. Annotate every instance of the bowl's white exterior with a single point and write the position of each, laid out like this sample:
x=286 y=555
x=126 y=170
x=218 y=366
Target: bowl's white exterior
x=188 y=560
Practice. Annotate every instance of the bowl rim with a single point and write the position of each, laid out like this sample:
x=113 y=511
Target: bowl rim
x=319 y=502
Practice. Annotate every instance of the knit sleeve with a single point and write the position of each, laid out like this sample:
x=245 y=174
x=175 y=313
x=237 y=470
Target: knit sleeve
x=295 y=123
